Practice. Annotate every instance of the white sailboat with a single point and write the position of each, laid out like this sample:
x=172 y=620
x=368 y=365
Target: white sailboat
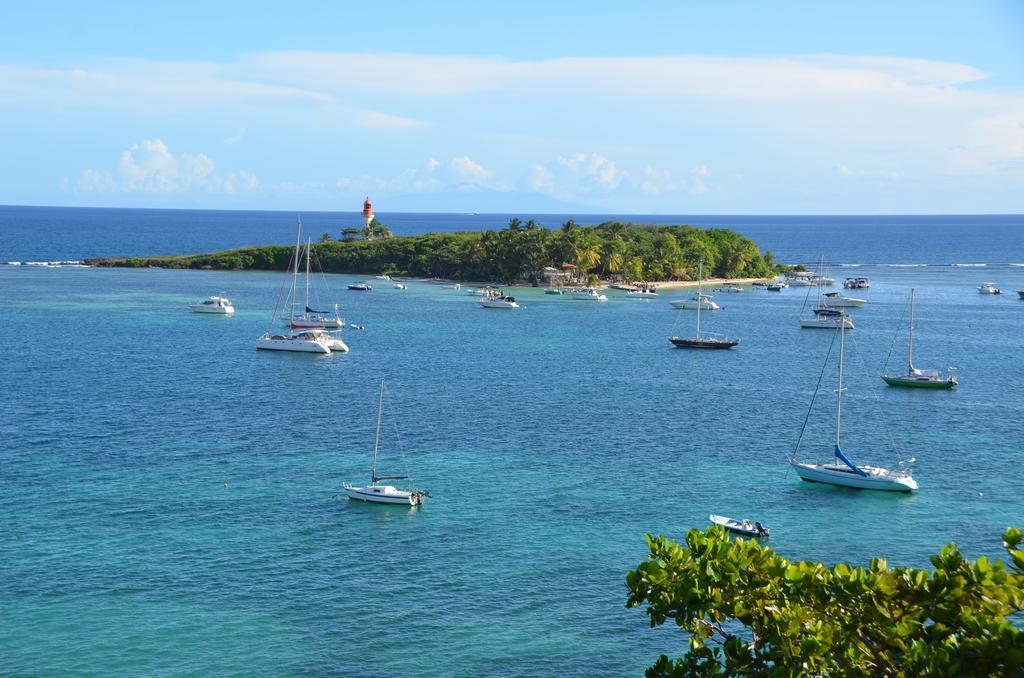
x=844 y=472
x=308 y=340
x=824 y=316
x=311 y=319
x=376 y=493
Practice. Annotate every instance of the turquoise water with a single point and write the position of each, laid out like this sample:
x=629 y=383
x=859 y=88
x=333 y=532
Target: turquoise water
x=551 y=438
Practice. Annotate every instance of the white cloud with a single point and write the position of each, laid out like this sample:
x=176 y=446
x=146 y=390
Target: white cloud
x=468 y=170
x=658 y=181
x=236 y=137
x=150 y=167
x=386 y=121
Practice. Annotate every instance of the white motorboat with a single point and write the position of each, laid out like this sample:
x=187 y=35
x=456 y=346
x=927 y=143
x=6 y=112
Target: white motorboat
x=742 y=526
x=360 y=287
x=856 y=283
x=837 y=300
x=730 y=288
x=307 y=341
x=642 y=294
x=989 y=288
x=842 y=471
x=703 y=301
x=214 y=305
x=385 y=276
x=497 y=299
x=586 y=294
x=456 y=286
x=384 y=494
x=827 y=319
x=399 y=286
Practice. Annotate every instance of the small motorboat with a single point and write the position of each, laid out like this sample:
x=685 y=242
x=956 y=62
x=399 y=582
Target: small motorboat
x=384 y=276
x=730 y=288
x=836 y=300
x=703 y=301
x=587 y=294
x=743 y=526
x=856 y=284
x=642 y=293
x=214 y=305
x=399 y=286
x=775 y=286
x=554 y=290
x=989 y=288
x=496 y=299
x=360 y=287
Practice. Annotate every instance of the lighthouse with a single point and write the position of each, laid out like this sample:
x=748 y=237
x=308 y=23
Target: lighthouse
x=368 y=215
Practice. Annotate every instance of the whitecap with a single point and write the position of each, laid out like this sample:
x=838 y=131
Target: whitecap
x=970 y=265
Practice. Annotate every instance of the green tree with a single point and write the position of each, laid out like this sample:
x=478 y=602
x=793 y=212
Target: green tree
x=349 y=234
x=749 y=611
x=326 y=237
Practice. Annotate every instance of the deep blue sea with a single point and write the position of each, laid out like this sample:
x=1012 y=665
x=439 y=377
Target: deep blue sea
x=171 y=498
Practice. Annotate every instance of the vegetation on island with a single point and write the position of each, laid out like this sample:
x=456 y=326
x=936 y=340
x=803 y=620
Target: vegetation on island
x=749 y=611
x=519 y=253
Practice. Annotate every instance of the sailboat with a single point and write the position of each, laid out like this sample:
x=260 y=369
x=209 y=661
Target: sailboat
x=312 y=319
x=305 y=340
x=706 y=341
x=824 y=316
x=384 y=494
x=915 y=378
x=842 y=471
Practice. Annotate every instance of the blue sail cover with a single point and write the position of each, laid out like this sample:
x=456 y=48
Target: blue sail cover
x=309 y=310
x=842 y=457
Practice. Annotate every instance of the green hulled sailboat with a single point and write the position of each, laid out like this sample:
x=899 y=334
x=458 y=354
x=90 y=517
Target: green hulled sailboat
x=915 y=378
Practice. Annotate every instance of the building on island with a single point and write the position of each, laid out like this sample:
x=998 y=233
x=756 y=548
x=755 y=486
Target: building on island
x=368 y=214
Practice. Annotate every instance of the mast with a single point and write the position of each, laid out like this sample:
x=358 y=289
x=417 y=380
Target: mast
x=295 y=274
x=309 y=246
x=700 y=299
x=839 y=391
x=376 y=440
x=910 y=350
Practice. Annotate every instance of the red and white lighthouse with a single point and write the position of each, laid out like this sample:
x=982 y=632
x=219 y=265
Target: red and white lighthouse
x=368 y=215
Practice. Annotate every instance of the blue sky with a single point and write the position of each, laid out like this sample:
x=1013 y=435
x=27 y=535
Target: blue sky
x=670 y=107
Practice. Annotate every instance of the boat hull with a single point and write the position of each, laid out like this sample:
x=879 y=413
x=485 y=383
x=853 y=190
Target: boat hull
x=829 y=475
x=213 y=310
x=844 y=302
x=713 y=344
x=825 y=323
x=691 y=305
x=915 y=382
x=272 y=344
x=399 y=497
x=498 y=304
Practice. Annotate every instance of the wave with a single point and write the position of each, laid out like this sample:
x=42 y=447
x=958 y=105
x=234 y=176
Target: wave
x=850 y=265
x=1015 y=265
x=905 y=265
x=970 y=265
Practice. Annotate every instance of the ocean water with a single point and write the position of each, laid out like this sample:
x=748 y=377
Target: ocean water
x=171 y=497
x=70 y=233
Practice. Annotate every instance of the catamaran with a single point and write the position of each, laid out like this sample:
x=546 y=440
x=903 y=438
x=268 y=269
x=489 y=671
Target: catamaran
x=384 y=494
x=708 y=340
x=914 y=377
x=842 y=471
x=300 y=340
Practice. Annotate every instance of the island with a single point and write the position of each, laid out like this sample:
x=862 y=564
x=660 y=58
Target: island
x=521 y=253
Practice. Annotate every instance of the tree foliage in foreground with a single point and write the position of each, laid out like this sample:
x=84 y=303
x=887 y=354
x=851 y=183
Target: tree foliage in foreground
x=750 y=611
x=517 y=253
